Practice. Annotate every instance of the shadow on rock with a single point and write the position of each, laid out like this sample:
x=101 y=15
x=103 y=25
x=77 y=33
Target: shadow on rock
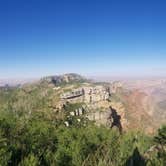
x=116 y=119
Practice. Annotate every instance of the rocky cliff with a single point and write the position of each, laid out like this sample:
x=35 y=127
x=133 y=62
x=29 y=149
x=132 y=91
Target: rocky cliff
x=64 y=79
x=134 y=108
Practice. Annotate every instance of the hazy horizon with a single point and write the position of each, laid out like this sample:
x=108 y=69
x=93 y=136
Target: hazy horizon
x=97 y=78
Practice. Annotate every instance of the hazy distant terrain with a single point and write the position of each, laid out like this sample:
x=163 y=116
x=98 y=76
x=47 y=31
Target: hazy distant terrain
x=155 y=91
x=16 y=82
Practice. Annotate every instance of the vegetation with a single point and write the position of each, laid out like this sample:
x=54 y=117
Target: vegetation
x=31 y=134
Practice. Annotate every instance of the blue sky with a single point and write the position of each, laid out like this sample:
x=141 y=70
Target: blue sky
x=90 y=37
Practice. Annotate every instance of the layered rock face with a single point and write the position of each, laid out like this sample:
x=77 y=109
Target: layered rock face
x=76 y=93
x=87 y=94
x=95 y=94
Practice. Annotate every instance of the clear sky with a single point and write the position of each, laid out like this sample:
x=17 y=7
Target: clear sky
x=90 y=37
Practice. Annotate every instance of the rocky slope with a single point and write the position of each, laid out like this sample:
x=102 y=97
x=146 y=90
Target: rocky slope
x=64 y=79
x=155 y=101
x=135 y=108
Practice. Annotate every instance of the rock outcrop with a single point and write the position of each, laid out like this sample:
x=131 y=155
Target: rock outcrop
x=64 y=79
x=87 y=94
